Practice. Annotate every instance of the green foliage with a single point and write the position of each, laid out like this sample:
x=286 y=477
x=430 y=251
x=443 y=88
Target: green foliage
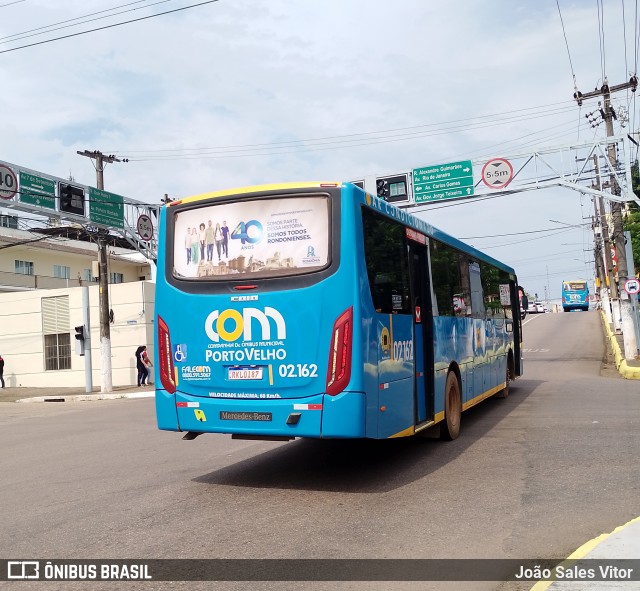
x=631 y=222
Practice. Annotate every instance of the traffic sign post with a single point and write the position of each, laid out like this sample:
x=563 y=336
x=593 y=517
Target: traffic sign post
x=632 y=286
x=443 y=181
x=145 y=227
x=106 y=208
x=497 y=173
x=8 y=183
x=49 y=196
x=37 y=190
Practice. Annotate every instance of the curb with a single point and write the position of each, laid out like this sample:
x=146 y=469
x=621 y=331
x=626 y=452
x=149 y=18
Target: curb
x=629 y=373
x=583 y=551
x=88 y=397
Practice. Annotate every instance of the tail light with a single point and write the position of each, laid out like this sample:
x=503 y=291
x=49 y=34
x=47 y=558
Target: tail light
x=165 y=358
x=339 y=370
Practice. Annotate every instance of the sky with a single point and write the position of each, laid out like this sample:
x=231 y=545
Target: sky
x=238 y=92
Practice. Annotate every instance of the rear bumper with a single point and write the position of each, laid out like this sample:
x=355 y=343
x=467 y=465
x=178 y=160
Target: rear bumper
x=314 y=417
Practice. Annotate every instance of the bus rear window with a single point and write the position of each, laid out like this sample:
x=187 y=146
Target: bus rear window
x=575 y=285
x=258 y=238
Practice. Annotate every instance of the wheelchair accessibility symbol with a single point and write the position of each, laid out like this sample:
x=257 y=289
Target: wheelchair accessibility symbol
x=180 y=353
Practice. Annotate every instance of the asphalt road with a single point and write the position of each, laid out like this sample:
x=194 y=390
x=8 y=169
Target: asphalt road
x=532 y=476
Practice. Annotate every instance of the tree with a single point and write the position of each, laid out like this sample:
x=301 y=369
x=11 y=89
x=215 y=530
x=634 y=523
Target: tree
x=631 y=222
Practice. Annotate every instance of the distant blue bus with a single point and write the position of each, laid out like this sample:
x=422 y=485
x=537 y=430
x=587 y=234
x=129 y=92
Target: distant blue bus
x=319 y=310
x=575 y=295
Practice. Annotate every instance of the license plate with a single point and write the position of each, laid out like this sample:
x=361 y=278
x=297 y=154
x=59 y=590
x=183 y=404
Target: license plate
x=227 y=415
x=245 y=373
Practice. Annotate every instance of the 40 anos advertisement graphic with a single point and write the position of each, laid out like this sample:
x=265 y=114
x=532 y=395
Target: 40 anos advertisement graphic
x=267 y=237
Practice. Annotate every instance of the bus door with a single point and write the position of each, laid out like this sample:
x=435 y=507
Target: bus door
x=423 y=332
x=516 y=292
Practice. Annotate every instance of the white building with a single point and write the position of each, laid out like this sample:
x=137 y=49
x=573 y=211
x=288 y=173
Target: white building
x=41 y=304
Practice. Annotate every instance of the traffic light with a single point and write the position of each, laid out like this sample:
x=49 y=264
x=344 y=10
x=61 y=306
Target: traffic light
x=79 y=339
x=393 y=188
x=382 y=187
x=71 y=198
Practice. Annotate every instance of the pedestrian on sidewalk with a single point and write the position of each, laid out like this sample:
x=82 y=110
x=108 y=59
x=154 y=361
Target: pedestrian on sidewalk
x=143 y=372
x=2 y=370
x=147 y=364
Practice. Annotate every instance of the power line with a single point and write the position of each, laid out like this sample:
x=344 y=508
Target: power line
x=624 y=38
x=296 y=146
x=22 y=242
x=636 y=39
x=410 y=131
x=566 y=42
x=512 y=234
x=71 y=20
x=601 y=36
x=142 y=18
x=561 y=131
x=547 y=258
x=527 y=240
x=10 y=3
x=565 y=272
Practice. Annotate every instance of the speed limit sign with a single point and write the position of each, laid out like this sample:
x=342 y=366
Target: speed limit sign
x=8 y=183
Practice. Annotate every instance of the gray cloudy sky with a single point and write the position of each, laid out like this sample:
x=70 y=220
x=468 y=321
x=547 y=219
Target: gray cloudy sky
x=239 y=92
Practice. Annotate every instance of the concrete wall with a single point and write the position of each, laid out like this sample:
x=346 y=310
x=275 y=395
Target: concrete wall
x=22 y=340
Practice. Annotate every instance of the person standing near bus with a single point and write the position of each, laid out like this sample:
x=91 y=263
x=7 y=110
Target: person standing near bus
x=2 y=370
x=225 y=238
x=147 y=364
x=141 y=366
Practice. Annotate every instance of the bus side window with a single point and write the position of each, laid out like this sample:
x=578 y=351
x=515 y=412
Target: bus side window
x=387 y=260
x=450 y=280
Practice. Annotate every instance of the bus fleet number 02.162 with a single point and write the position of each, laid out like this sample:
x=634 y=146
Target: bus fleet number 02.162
x=300 y=370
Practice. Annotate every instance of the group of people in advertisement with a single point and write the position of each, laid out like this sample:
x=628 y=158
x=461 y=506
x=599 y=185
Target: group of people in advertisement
x=200 y=240
x=269 y=237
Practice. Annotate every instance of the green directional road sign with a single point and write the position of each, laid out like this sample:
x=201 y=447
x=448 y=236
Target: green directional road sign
x=106 y=208
x=443 y=181
x=37 y=190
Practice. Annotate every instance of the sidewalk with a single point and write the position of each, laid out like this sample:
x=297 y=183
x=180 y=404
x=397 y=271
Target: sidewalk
x=628 y=368
x=73 y=394
x=620 y=548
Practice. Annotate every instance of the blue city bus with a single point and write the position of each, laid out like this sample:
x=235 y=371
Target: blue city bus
x=319 y=310
x=575 y=295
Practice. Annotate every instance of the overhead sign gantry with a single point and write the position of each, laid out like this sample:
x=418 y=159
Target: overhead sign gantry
x=35 y=192
x=567 y=166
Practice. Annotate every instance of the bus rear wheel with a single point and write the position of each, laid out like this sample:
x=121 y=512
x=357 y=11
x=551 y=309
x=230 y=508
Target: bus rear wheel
x=450 y=427
x=505 y=391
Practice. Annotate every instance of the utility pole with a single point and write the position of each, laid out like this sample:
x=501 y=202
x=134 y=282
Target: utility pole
x=608 y=280
x=105 y=329
x=622 y=303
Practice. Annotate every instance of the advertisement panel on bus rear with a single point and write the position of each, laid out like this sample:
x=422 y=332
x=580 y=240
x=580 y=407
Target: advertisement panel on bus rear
x=266 y=237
